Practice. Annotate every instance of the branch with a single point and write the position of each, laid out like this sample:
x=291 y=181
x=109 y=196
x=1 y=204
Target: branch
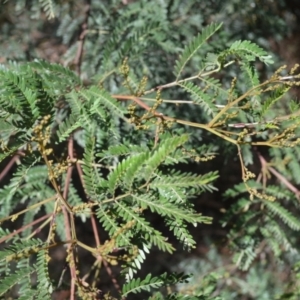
x=280 y=177
x=9 y=166
x=3 y=239
x=70 y=230
x=166 y=118
x=84 y=26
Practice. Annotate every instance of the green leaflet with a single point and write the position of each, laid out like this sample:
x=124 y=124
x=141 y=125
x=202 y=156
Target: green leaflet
x=44 y=286
x=126 y=171
x=158 y=156
x=14 y=278
x=199 y=97
x=102 y=97
x=137 y=285
x=272 y=99
x=173 y=211
x=182 y=234
x=48 y=71
x=153 y=236
x=90 y=179
x=194 y=46
x=185 y=180
x=108 y=219
x=283 y=214
x=71 y=123
x=49 y=8
x=249 y=48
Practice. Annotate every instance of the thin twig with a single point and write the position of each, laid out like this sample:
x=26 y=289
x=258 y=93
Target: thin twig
x=281 y=178
x=96 y=235
x=3 y=239
x=183 y=122
x=177 y=102
x=70 y=230
x=31 y=207
x=177 y=82
x=99 y=257
x=9 y=166
x=84 y=26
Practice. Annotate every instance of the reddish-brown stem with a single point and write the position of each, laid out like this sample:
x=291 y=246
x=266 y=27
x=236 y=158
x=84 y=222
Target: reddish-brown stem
x=96 y=235
x=9 y=166
x=107 y=267
x=84 y=27
x=291 y=187
x=24 y=227
x=69 y=235
x=282 y=179
x=139 y=103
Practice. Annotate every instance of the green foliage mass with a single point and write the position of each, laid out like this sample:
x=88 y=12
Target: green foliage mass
x=111 y=139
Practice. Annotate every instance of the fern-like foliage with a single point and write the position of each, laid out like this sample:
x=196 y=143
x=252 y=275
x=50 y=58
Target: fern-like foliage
x=284 y=215
x=247 y=51
x=118 y=152
x=14 y=278
x=194 y=46
x=200 y=98
x=90 y=182
x=44 y=286
x=150 y=283
x=274 y=97
x=160 y=154
x=245 y=240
